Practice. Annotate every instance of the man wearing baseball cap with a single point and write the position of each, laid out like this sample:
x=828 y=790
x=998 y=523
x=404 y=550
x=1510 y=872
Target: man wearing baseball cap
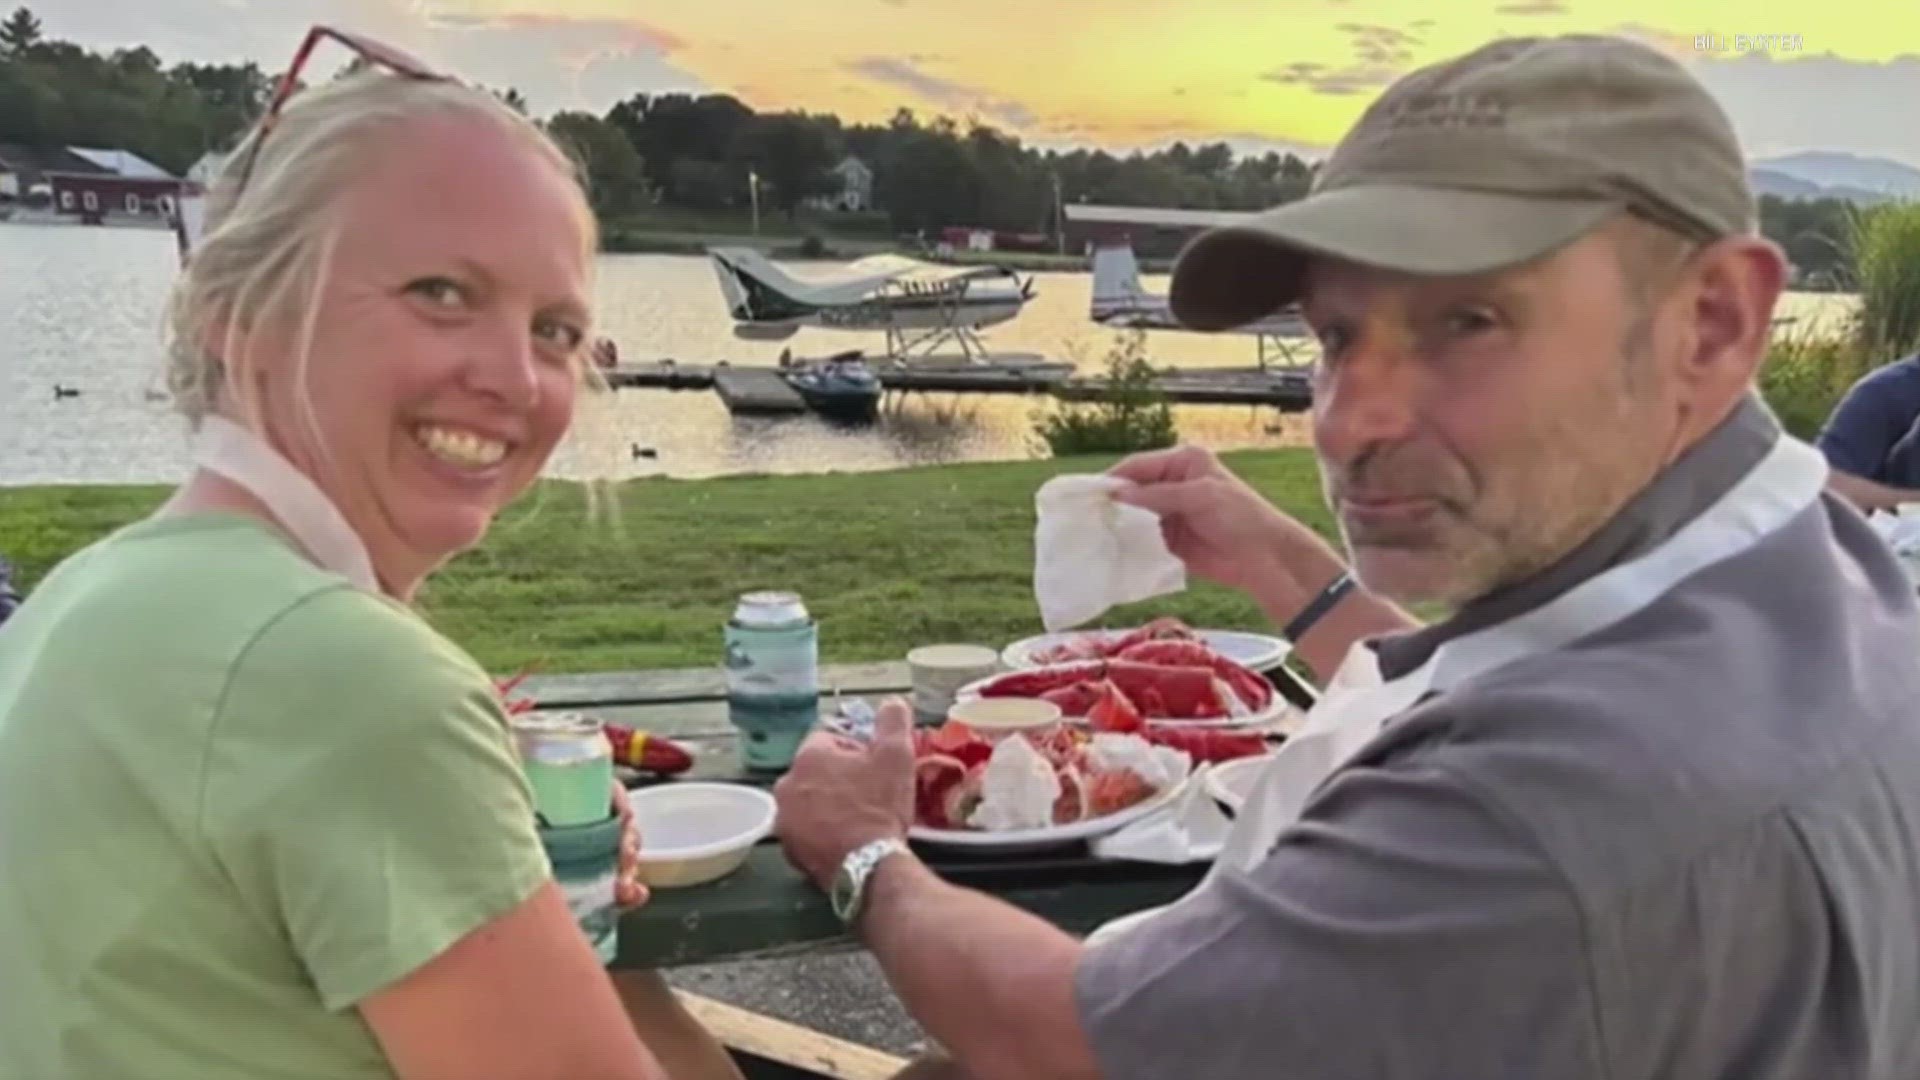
x=1646 y=803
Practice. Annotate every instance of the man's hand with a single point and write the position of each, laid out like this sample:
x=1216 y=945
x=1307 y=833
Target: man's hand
x=1224 y=530
x=1221 y=528
x=841 y=793
x=1870 y=495
x=628 y=893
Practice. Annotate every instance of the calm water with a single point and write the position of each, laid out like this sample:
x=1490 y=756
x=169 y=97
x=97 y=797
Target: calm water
x=82 y=308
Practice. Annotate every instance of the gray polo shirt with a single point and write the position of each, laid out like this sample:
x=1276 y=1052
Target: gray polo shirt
x=1685 y=846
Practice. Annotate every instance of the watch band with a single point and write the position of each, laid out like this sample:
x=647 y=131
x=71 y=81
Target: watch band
x=1320 y=605
x=849 y=892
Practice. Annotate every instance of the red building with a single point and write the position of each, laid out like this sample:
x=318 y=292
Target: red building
x=87 y=184
x=96 y=195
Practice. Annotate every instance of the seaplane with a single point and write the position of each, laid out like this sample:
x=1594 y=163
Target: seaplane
x=918 y=306
x=1122 y=302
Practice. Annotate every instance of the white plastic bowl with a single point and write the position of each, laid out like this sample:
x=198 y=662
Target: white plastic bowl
x=997 y=718
x=695 y=832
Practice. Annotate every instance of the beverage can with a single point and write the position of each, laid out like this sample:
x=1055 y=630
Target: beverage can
x=773 y=676
x=569 y=765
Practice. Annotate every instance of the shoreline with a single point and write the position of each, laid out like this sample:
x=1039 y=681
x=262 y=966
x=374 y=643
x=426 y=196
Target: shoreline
x=628 y=239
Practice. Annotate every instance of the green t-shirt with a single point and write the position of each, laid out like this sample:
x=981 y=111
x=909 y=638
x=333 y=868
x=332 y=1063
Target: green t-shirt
x=237 y=795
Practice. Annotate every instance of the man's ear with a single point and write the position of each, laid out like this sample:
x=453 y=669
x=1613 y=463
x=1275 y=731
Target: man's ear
x=1732 y=289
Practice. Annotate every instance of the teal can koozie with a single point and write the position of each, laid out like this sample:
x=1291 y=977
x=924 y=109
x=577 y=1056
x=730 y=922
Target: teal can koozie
x=586 y=863
x=773 y=681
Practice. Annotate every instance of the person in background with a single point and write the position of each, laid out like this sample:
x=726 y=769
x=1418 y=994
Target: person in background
x=1872 y=440
x=606 y=354
x=257 y=817
x=1643 y=804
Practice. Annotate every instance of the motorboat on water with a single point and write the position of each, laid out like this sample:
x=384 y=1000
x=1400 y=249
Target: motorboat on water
x=840 y=387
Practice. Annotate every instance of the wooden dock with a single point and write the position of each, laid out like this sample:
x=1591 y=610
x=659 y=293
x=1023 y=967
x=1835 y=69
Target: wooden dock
x=756 y=391
x=747 y=388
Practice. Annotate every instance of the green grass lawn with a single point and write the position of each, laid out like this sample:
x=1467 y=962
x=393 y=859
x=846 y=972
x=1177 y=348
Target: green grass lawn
x=887 y=561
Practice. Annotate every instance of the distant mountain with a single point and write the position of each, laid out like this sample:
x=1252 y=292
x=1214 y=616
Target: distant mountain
x=1816 y=174
x=1782 y=185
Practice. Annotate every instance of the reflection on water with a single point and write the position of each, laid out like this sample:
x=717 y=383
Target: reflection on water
x=82 y=308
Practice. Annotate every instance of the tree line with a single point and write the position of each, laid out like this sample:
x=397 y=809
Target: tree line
x=708 y=151
x=715 y=152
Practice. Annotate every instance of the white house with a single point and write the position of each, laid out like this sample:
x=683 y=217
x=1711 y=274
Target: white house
x=204 y=170
x=856 y=188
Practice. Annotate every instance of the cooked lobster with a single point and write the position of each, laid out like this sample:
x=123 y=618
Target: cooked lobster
x=949 y=762
x=1162 y=680
x=1102 y=646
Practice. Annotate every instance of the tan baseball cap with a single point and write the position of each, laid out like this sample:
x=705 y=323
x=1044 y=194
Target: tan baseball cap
x=1485 y=161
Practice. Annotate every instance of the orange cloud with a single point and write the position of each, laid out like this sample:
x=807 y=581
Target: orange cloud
x=1127 y=70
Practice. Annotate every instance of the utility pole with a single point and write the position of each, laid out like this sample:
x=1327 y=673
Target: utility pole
x=1059 y=218
x=753 y=192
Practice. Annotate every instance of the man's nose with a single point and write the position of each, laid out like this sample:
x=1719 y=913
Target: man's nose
x=1367 y=395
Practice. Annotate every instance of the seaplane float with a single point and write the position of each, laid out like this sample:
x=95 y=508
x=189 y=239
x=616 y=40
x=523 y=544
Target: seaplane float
x=918 y=306
x=1122 y=302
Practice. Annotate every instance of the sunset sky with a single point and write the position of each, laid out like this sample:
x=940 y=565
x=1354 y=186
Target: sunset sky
x=1837 y=75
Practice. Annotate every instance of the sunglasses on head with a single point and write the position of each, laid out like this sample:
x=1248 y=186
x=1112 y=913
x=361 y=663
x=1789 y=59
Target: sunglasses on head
x=374 y=52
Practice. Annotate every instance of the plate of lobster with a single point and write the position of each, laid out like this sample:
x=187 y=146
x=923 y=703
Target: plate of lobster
x=1257 y=652
x=1151 y=683
x=1030 y=791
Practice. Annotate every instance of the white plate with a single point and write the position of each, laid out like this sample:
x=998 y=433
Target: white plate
x=1007 y=841
x=1257 y=651
x=1230 y=781
x=1277 y=707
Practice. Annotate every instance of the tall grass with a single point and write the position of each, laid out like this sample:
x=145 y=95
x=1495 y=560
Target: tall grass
x=1809 y=369
x=1805 y=374
x=1884 y=250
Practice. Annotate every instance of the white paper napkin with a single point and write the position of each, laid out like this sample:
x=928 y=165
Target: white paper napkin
x=1190 y=829
x=1091 y=553
x=1901 y=531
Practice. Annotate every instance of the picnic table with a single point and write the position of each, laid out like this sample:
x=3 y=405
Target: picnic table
x=766 y=908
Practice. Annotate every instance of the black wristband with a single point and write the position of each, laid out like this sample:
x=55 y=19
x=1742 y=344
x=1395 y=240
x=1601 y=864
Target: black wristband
x=1321 y=604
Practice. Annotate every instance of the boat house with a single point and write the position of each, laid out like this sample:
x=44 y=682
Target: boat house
x=1153 y=232
x=97 y=186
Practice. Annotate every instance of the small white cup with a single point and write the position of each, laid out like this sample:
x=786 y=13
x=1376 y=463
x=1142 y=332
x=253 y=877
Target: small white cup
x=940 y=670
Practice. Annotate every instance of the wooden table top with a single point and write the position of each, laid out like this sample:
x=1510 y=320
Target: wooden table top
x=766 y=907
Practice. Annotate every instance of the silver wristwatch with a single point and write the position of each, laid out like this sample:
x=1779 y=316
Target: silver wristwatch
x=849 y=889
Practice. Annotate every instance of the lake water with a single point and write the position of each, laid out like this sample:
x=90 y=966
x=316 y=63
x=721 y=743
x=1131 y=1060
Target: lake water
x=82 y=308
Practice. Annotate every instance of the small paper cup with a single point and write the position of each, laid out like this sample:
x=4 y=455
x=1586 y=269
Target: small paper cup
x=997 y=718
x=940 y=670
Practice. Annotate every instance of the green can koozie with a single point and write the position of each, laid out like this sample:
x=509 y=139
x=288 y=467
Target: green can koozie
x=586 y=863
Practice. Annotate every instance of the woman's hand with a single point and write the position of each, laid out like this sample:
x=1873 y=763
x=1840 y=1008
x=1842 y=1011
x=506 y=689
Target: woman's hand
x=628 y=893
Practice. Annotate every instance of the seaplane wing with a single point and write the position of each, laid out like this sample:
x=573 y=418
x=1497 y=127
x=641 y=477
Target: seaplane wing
x=1121 y=301
x=879 y=292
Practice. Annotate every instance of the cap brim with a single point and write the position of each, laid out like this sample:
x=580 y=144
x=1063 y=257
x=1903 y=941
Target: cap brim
x=1236 y=274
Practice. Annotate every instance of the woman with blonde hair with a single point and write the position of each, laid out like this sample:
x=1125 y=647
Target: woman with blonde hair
x=257 y=818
